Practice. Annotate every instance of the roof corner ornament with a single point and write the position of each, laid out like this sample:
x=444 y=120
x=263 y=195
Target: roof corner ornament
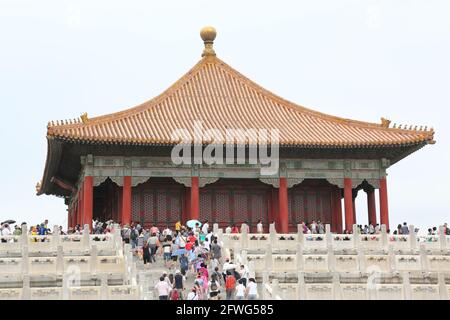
x=208 y=34
x=385 y=122
x=38 y=186
x=84 y=118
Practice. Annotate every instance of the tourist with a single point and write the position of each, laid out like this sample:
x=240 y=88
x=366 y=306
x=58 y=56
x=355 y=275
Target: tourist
x=17 y=231
x=167 y=232
x=228 y=229
x=134 y=237
x=178 y=226
x=163 y=289
x=230 y=285
x=320 y=227
x=154 y=230
x=234 y=229
x=205 y=227
x=405 y=229
x=216 y=253
x=179 y=281
x=371 y=229
x=313 y=227
x=252 y=289
x=184 y=263
x=259 y=227
x=244 y=274
x=126 y=232
x=245 y=228
x=153 y=244
x=167 y=252
x=146 y=253
x=214 y=287
x=240 y=290
x=5 y=231
x=193 y=294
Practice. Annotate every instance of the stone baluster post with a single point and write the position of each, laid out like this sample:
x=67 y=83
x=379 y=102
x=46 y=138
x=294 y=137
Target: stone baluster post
x=275 y=289
x=104 y=286
x=328 y=235
x=244 y=236
x=407 y=293
x=301 y=289
x=331 y=259
x=26 y=291
x=24 y=235
x=86 y=238
x=94 y=259
x=25 y=260
x=244 y=257
x=442 y=238
x=299 y=257
x=251 y=268
x=265 y=280
x=423 y=258
x=391 y=258
x=412 y=238
x=384 y=238
x=60 y=260
x=56 y=237
x=118 y=243
x=273 y=235
x=361 y=260
x=356 y=237
x=220 y=236
x=337 y=290
x=443 y=292
x=215 y=228
x=300 y=235
x=269 y=259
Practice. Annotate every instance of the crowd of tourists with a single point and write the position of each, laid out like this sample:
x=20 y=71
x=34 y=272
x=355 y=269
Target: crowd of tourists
x=191 y=252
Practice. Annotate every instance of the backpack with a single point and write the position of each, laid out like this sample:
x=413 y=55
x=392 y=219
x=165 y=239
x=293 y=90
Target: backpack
x=231 y=282
x=214 y=286
x=237 y=276
x=175 y=295
x=133 y=234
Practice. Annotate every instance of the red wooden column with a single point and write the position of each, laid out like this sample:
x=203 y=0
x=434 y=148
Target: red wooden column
x=348 y=204
x=88 y=200
x=283 y=204
x=126 y=201
x=80 y=205
x=384 y=211
x=371 y=207
x=337 y=212
x=195 y=207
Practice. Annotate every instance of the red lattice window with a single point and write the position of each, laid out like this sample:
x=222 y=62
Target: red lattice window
x=259 y=209
x=223 y=207
x=297 y=207
x=240 y=207
x=206 y=206
x=148 y=207
x=135 y=205
x=161 y=208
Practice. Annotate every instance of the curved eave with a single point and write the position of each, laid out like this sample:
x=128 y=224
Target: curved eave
x=350 y=145
x=51 y=164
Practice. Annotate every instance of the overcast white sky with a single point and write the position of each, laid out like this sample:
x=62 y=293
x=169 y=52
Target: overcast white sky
x=355 y=59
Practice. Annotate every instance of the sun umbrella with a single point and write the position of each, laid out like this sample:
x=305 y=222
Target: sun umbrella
x=192 y=223
x=9 y=221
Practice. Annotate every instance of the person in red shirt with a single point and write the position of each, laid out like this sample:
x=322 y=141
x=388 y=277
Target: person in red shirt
x=234 y=229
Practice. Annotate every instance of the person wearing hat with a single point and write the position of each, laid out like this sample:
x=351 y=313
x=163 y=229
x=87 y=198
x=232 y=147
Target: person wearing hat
x=17 y=231
x=179 y=280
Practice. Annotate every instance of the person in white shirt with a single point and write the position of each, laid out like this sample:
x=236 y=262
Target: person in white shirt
x=192 y=295
x=167 y=232
x=244 y=272
x=205 y=227
x=245 y=228
x=259 y=227
x=163 y=289
x=228 y=230
x=252 y=289
x=240 y=290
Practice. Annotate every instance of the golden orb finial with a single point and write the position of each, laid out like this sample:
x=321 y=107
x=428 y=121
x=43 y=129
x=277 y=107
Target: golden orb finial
x=208 y=35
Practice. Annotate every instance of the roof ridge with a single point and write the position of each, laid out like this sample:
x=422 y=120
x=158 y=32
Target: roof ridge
x=295 y=107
